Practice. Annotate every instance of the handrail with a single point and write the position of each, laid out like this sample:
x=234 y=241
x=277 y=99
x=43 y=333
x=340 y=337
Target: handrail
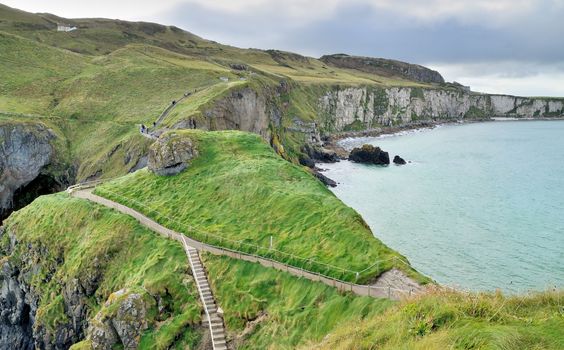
x=257 y=247
x=192 y=267
x=366 y=290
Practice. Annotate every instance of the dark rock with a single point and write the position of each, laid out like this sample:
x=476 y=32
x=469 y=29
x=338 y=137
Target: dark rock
x=399 y=160
x=321 y=154
x=326 y=181
x=370 y=155
x=25 y=152
x=239 y=66
x=307 y=161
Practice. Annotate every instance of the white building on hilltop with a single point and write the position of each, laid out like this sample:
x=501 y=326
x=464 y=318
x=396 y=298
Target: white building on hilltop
x=65 y=28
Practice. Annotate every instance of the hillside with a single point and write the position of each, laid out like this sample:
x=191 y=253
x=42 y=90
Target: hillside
x=238 y=189
x=78 y=274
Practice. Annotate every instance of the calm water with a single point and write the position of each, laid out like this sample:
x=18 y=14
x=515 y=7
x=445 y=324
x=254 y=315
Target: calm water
x=480 y=207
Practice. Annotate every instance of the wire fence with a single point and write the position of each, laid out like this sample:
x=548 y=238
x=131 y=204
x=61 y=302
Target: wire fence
x=246 y=247
x=362 y=290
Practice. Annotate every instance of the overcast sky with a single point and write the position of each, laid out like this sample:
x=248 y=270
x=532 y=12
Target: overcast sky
x=500 y=46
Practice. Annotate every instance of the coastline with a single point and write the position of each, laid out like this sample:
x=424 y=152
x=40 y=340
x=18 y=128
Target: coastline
x=333 y=142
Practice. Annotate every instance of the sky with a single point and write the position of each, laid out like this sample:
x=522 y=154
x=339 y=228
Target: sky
x=497 y=46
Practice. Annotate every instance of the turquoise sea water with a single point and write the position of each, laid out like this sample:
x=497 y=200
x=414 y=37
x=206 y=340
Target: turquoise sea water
x=480 y=207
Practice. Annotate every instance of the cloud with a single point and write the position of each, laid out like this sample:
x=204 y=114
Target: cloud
x=444 y=33
x=442 y=30
x=507 y=77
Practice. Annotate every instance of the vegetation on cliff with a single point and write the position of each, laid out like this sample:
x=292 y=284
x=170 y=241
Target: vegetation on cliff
x=238 y=193
x=72 y=256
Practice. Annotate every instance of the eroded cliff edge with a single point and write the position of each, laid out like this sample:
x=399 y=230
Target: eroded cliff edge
x=30 y=164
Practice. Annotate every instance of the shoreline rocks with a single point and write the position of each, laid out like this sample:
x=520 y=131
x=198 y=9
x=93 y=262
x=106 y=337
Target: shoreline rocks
x=369 y=154
x=399 y=160
x=326 y=181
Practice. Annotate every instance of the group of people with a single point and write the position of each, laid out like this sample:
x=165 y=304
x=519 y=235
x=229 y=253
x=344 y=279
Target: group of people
x=145 y=130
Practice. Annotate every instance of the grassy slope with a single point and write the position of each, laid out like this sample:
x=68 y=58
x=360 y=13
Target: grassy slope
x=80 y=239
x=449 y=320
x=239 y=189
x=303 y=314
x=109 y=76
x=296 y=311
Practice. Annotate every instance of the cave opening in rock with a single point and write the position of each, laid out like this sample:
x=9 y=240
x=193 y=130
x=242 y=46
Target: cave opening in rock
x=41 y=185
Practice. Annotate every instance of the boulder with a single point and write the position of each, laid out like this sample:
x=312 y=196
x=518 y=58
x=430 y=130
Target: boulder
x=399 y=160
x=370 y=155
x=171 y=154
x=121 y=327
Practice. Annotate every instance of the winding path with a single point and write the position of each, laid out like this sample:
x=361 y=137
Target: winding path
x=362 y=290
x=213 y=317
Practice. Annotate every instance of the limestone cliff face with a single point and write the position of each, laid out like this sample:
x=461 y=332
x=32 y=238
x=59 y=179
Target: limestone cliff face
x=25 y=152
x=242 y=109
x=356 y=108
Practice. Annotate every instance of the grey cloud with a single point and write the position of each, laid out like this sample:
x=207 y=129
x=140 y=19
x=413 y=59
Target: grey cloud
x=361 y=29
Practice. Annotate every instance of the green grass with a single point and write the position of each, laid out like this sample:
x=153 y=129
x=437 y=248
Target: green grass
x=73 y=239
x=453 y=320
x=238 y=189
x=293 y=310
x=297 y=313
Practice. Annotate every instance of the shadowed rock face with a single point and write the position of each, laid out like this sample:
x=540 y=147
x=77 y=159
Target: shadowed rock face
x=171 y=154
x=25 y=151
x=124 y=327
x=19 y=300
x=399 y=160
x=370 y=155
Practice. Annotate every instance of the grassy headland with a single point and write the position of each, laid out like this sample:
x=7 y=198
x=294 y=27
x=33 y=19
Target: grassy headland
x=239 y=190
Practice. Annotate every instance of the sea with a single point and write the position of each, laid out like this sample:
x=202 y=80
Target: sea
x=478 y=207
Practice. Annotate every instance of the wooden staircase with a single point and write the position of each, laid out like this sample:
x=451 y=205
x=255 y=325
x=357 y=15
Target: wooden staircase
x=214 y=319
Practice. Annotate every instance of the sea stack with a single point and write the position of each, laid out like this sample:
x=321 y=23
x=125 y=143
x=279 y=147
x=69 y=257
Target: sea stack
x=399 y=160
x=370 y=155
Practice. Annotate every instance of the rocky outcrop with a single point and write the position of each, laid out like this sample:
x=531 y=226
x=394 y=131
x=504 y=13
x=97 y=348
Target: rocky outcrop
x=384 y=67
x=320 y=154
x=399 y=160
x=363 y=108
x=324 y=179
x=16 y=315
x=242 y=109
x=369 y=154
x=25 y=152
x=19 y=301
x=124 y=326
x=171 y=154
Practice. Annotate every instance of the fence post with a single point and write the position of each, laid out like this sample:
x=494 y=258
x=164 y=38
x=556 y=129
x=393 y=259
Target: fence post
x=356 y=277
x=270 y=242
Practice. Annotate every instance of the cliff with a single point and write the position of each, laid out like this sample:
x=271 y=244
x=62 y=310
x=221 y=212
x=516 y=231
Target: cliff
x=75 y=272
x=361 y=108
x=28 y=164
x=384 y=67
